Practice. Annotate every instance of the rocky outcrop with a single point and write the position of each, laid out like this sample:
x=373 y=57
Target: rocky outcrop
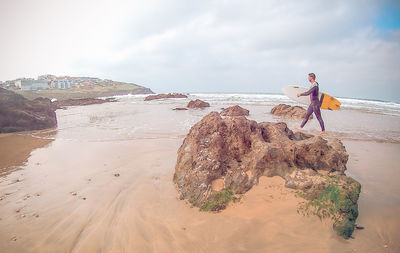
x=288 y=111
x=20 y=114
x=233 y=152
x=180 y=109
x=197 y=104
x=141 y=90
x=162 y=96
x=83 y=101
x=235 y=111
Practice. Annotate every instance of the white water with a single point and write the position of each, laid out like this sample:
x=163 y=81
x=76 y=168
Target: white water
x=373 y=106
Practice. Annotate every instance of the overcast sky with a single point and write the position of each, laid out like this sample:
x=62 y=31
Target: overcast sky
x=208 y=46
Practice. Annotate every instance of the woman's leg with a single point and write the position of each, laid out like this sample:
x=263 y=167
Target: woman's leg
x=309 y=112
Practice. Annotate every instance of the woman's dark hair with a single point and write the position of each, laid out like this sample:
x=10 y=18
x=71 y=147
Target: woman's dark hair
x=312 y=75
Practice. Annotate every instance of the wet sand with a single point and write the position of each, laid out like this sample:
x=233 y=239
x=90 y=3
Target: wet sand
x=16 y=148
x=104 y=185
x=376 y=167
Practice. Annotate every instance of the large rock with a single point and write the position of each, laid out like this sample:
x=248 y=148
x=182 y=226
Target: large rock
x=162 y=96
x=234 y=152
x=197 y=104
x=235 y=111
x=288 y=111
x=20 y=114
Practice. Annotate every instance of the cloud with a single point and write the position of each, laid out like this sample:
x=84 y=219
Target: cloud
x=207 y=46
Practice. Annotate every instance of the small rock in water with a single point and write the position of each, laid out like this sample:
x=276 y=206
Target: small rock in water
x=385 y=246
x=197 y=104
x=73 y=193
x=14 y=238
x=288 y=111
x=116 y=175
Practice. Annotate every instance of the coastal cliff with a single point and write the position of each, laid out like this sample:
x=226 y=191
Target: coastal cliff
x=20 y=114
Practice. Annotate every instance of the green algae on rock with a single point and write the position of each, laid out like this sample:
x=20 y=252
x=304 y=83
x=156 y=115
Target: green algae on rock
x=337 y=201
x=218 y=200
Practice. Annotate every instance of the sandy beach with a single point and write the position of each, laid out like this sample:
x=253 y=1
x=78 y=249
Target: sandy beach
x=103 y=183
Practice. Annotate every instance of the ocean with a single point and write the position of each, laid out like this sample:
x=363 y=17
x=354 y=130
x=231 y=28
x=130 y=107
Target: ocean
x=366 y=105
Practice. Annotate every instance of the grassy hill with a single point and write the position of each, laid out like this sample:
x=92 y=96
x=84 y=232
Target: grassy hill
x=87 y=91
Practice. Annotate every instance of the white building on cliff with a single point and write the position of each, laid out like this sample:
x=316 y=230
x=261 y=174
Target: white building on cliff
x=28 y=84
x=63 y=84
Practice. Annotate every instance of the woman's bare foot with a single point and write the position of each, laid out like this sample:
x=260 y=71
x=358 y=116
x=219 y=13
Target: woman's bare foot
x=323 y=132
x=297 y=128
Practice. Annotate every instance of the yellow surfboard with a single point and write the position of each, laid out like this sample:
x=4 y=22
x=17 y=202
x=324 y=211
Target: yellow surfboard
x=329 y=102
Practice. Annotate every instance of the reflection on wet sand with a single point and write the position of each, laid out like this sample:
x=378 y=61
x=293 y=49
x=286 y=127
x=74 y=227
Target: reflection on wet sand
x=15 y=148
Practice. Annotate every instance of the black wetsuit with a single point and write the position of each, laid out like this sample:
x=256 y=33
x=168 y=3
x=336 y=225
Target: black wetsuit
x=314 y=106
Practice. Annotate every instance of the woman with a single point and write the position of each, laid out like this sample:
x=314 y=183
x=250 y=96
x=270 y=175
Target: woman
x=315 y=103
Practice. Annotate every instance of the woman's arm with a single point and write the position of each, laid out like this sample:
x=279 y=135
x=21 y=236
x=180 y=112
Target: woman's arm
x=308 y=92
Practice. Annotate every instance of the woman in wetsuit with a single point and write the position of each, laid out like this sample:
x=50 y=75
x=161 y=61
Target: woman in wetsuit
x=315 y=103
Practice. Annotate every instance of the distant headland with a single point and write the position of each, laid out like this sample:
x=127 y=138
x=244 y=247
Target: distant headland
x=68 y=87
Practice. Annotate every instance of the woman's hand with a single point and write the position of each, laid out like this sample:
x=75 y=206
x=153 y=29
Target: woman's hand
x=298 y=95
